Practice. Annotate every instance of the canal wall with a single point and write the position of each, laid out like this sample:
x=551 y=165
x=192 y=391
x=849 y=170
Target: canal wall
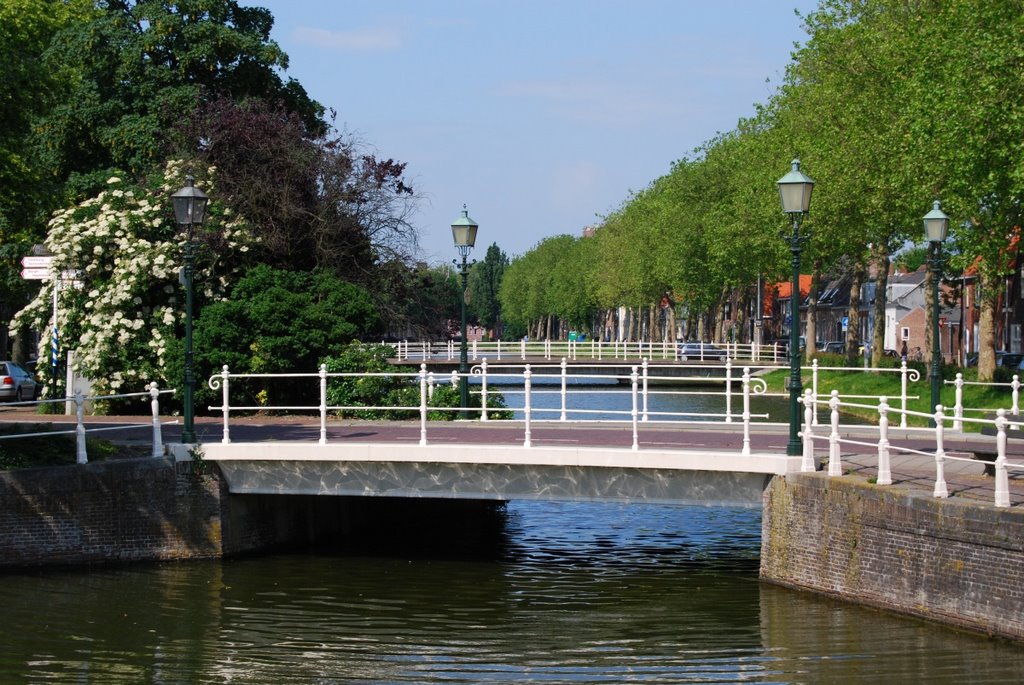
x=128 y=510
x=951 y=560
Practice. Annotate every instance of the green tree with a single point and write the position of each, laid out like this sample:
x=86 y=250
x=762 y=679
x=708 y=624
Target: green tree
x=276 y=321
x=134 y=69
x=124 y=314
x=484 y=286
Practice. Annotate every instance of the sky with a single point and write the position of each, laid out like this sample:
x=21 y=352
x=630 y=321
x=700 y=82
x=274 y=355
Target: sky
x=541 y=116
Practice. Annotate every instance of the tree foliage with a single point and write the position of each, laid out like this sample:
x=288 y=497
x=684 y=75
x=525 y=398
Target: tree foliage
x=121 y=304
x=485 y=285
x=889 y=105
x=275 y=321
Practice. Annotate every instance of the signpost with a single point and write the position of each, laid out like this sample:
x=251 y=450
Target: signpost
x=40 y=268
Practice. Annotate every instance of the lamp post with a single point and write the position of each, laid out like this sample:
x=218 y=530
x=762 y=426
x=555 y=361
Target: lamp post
x=795 y=192
x=936 y=226
x=189 y=211
x=464 y=233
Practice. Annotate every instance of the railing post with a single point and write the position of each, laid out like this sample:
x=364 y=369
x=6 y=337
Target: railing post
x=83 y=458
x=634 y=378
x=728 y=390
x=499 y=349
x=526 y=403
x=644 y=387
x=547 y=348
x=154 y=405
x=940 y=455
x=958 y=405
x=431 y=384
x=483 y=389
x=323 y=404
x=903 y=394
x=474 y=350
x=1002 y=479
x=1015 y=384
x=746 y=410
x=884 y=467
x=564 y=366
x=455 y=380
x=814 y=388
x=835 y=468
x=522 y=349
x=225 y=404
x=807 y=464
x=424 y=392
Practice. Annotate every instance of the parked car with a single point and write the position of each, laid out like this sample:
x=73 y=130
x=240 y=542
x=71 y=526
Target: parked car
x=701 y=351
x=1008 y=359
x=16 y=383
x=834 y=347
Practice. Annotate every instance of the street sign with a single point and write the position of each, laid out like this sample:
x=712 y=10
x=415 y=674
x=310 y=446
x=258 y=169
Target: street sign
x=36 y=274
x=37 y=262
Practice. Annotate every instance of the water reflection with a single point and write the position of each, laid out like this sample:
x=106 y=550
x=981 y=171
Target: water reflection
x=575 y=593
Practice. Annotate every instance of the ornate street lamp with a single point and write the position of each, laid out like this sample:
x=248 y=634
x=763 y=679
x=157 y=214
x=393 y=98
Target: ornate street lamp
x=936 y=227
x=189 y=211
x=795 y=191
x=464 y=233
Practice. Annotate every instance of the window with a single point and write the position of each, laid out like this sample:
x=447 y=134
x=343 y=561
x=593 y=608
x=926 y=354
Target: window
x=904 y=334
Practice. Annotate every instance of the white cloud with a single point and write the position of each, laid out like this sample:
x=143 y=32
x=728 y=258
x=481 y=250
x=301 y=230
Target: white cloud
x=365 y=40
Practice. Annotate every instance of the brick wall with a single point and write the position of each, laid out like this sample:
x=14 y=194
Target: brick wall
x=948 y=560
x=156 y=510
x=134 y=510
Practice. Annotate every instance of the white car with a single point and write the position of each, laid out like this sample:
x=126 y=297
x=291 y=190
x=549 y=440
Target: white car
x=16 y=383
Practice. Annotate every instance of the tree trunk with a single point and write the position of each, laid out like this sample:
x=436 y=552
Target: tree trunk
x=853 y=315
x=990 y=290
x=881 y=288
x=811 y=332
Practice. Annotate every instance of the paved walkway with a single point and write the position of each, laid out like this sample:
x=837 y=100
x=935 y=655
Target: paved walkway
x=965 y=478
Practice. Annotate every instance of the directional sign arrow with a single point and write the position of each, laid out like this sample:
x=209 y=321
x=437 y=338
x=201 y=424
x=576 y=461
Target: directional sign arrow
x=35 y=262
x=36 y=274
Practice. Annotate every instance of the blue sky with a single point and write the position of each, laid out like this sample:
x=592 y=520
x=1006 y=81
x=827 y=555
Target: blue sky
x=540 y=116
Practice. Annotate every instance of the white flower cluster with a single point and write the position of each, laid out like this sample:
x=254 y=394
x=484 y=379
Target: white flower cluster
x=122 y=312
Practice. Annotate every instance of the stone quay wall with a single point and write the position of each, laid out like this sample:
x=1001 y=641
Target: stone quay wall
x=128 y=510
x=131 y=510
x=949 y=560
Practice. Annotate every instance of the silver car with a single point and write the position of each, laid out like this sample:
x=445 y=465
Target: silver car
x=16 y=383
x=701 y=351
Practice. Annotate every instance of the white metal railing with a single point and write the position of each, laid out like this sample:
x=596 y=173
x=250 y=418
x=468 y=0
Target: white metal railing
x=640 y=390
x=885 y=448
x=598 y=351
x=907 y=375
x=576 y=349
x=958 y=402
x=80 y=431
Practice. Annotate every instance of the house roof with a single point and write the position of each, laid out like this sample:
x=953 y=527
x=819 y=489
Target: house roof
x=782 y=291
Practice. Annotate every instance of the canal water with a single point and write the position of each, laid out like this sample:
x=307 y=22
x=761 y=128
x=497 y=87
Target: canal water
x=569 y=593
x=612 y=401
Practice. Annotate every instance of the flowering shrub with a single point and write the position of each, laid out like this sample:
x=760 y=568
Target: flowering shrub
x=119 y=302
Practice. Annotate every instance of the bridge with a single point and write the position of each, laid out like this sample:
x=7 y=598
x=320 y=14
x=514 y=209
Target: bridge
x=602 y=460
x=495 y=471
